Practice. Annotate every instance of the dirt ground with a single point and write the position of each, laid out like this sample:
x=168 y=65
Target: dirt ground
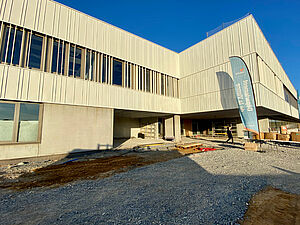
x=61 y=173
x=273 y=206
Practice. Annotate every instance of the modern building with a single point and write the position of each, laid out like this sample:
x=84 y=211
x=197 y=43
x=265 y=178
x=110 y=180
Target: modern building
x=70 y=82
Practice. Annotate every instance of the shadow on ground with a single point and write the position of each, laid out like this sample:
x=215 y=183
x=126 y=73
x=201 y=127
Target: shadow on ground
x=178 y=191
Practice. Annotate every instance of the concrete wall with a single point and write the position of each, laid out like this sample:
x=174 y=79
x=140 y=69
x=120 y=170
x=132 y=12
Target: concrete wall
x=67 y=129
x=126 y=127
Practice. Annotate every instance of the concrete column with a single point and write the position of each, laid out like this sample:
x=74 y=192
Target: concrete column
x=177 y=130
x=169 y=127
x=172 y=127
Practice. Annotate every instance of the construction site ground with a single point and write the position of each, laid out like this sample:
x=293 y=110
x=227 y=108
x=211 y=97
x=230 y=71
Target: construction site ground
x=154 y=181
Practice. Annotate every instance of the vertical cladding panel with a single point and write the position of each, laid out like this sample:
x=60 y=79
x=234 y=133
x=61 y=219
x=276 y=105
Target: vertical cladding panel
x=7 y=10
x=42 y=15
x=24 y=84
x=63 y=22
x=49 y=18
x=3 y=80
x=48 y=87
x=70 y=90
x=56 y=21
x=83 y=21
x=16 y=12
x=30 y=14
x=2 y=75
x=34 y=85
x=88 y=38
x=72 y=20
x=11 y=87
x=78 y=90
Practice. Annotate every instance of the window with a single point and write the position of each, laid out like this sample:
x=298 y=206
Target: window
x=7 y=112
x=147 y=80
x=89 y=65
x=54 y=56
x=117 y=72
x=61 y=58
x=4 y=44
x=17 y=47
x=71 y=60
x=162 y=84
x=140 y=78
x=127 y=75
x=35 y=52
x=28 y=123
x=19 y=122
x=104 y=70
x=77 y=66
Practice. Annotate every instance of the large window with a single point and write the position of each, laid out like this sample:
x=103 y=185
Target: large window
x=117 y=72
x=7 y=112
x=19 y=122
x=35 y=51
x=11 y=45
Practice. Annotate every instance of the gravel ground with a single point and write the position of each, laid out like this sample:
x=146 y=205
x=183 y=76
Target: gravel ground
x=205 y=188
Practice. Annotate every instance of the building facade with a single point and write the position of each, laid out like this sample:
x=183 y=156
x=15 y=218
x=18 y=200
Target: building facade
x=70 y=82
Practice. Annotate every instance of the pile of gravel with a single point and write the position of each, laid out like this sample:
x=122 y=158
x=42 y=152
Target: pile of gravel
x=205 y=188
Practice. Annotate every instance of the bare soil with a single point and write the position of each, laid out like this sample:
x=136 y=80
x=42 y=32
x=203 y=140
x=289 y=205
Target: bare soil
x=55 y=175
x=273 y=206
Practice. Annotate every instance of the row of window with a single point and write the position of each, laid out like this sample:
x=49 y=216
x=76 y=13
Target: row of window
x=25 y=48
x=19 y=122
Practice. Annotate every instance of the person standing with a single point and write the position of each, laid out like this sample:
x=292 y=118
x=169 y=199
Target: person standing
x=229 y=134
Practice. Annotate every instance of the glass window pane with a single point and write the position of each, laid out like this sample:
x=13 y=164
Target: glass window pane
x=71 y=61
x=117 y=72
x=28 y=123
x=35 y=51
x=10 y=45
x=54 y=57
x=87 y=64
x=140 y=78
x=17 y=48
x=61 y=60
x=7 y=111
x=104 y=70
x=92 y=66
x=4 y=43
x=162 y=84
x=77 y=67
x=148 y=80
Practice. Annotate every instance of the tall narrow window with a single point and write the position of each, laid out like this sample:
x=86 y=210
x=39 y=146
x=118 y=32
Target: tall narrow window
x=77 y=66
x=141 y=78
x=87 y=64
x=147 y=80
x=4 y=43
x=10 y=45
x=162 y=84
x=54 y=56
x=71 y=61
x=17 y=47
x=28 y=123
x=92 y=66
x=61 y=59
x=7 y=111
x=35 y=55
x=104 y=68
x=117 y=72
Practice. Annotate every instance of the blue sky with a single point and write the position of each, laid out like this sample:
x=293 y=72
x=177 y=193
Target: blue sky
x=179 y=24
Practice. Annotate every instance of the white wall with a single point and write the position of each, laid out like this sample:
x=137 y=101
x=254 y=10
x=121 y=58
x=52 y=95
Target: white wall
x=67 y=129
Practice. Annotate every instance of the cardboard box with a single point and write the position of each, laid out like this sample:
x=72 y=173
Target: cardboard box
x=270 y=136
x=283 y=137
x=251 y=146
x=295 y=136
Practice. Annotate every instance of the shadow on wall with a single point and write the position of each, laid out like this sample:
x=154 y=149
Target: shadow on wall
x=227 y=95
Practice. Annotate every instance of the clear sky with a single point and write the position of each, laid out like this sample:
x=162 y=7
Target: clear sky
x=178 y=24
